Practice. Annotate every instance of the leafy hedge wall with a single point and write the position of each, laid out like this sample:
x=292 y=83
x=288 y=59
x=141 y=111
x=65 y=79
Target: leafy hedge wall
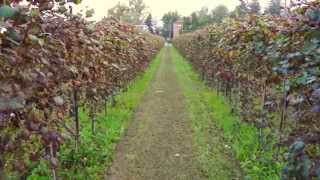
x=52 y=62
x=269 y=68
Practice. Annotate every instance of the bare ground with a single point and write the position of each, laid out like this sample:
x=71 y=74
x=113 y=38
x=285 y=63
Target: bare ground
x=158 y=144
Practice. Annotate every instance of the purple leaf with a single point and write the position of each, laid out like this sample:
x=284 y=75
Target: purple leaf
x=316 y=95
x=315 y=109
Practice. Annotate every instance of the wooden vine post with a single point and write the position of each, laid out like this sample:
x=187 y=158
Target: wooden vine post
x=283 y=112
x=53 y=170
x=218 y=86
x=105 y=106
x=203 y=73
x=233 y=97
x=238 y=96
x=113 y=100
x=226 y=88
x=2 y=175
x=76 y=118
x=284 y=107
x=264 y=95
x=93 y=120
x=263 y=101
x=230 y=91
x=213 y=77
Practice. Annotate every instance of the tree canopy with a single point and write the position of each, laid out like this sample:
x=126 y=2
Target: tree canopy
x=274 y=7
x=219 y=13
x=149 y=23
x=134 y=13
x=204 y=17
x=168 y=19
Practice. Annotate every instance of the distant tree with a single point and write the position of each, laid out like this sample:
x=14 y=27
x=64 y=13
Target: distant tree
x=186 y=24
x=240 y=10
x=137 y=10
x=168 y=19
x=204 y=17
x=254 y=6
x=157 y=30
x=197 y=19
x=219 y=13
x=133 y=13
x=194 y=21
x=89 y=13
x=120 y=12
x=274 y=7
x=148 y=23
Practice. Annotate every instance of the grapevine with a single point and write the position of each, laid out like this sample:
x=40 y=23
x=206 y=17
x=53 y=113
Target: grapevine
x=268 y=67
x=51 y=63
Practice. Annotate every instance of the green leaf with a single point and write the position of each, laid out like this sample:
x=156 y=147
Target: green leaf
x=7 y=11
x=75 y=1
x=89 y=13
x=312 y=34
x=12 y=103
x=13 y=36
x=35 y=39
x=17 y=103
x=34 y=13
x=297 y=147
x=62 y=9
x=313 y=14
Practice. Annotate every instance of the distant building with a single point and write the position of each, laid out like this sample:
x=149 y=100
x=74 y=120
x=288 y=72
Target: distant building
x=177 y=27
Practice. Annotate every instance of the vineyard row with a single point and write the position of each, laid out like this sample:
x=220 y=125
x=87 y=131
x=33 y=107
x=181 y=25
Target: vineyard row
x=50 y=65
x=268 y=67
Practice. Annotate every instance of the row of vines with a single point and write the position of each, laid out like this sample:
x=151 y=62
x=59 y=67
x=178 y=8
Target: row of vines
x=268 y=67
x=51 y=63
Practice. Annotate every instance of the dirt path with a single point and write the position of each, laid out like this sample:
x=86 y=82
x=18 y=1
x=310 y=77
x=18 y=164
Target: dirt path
x=158 y=143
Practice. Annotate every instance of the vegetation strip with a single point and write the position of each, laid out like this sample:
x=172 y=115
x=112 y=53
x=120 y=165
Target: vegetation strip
x=53 y=63
x=267 y=67
x=219 y=133
x=95 y=151
x=158 y=143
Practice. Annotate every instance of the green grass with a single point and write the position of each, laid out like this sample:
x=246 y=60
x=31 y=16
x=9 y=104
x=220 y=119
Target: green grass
x=210 y=113
x=95 y=151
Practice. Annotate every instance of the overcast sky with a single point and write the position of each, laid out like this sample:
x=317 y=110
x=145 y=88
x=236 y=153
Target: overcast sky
x=160 y=7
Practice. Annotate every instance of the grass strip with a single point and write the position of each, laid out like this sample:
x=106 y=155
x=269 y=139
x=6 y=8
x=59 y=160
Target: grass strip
x=95 y=151
x=220 y=134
